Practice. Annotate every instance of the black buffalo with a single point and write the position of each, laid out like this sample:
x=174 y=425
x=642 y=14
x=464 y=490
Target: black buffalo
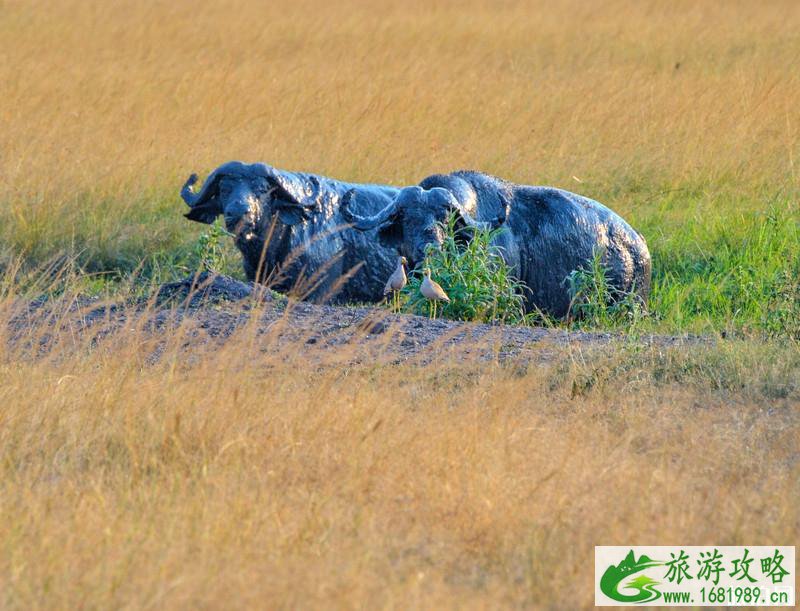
x=290 y=231
x=548 y=232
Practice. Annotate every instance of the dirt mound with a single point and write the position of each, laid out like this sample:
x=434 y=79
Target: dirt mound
x=213 y=308
x=205 y=287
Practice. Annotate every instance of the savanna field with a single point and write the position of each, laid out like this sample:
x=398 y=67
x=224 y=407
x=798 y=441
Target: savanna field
x=219 y=476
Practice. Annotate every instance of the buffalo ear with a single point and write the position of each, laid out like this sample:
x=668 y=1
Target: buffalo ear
x=291 y=215
x=204 y=213
x=296 y=189
x=391 y=234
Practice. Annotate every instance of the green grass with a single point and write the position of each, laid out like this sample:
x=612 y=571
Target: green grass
x=724 y=259
x=720 y=268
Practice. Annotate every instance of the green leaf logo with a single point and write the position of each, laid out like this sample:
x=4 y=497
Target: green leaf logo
x=612 y=580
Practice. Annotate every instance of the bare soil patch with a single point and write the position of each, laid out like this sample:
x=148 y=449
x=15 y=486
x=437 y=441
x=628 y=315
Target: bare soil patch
x=213 y=308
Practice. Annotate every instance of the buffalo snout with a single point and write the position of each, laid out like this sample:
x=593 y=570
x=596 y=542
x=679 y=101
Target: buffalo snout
x=241 y=209
x=237 y=214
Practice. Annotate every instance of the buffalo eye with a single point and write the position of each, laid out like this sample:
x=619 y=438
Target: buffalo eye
x=260 y=188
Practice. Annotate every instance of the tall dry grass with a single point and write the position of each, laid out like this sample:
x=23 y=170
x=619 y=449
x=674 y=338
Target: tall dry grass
x=107 y=106
x=231 y=477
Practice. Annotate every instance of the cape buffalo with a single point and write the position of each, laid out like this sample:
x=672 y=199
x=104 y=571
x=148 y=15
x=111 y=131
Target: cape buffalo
x=548 y=232
x=289 y=229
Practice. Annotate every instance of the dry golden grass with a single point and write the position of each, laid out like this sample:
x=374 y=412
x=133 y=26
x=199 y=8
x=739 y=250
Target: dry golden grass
x=230 y=478
x=107 y=106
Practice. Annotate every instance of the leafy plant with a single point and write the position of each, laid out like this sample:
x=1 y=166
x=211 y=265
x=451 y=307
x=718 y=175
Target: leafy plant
x=595 y=302
x=473 y=274
x=209 y=250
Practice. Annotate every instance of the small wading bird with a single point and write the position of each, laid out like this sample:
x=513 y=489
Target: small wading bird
x=397 y=281
x=431 y=291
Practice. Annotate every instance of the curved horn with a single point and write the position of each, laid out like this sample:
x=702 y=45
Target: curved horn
x=193 y=199
x=203 y=208
x=481 y=225
x=187 y=194
x=365 y=223
x=466 y=216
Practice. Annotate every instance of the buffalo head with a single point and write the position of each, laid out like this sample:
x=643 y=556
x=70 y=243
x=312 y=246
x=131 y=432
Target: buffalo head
x=414 y=219
x=249 y=197
x=260 y=206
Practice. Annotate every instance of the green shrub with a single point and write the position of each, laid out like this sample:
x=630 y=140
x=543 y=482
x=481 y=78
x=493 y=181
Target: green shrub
x=473 y=274
x=209 y=249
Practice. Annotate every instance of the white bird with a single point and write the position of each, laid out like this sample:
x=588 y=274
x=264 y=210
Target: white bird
x=397 y=281
x=431 y=291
